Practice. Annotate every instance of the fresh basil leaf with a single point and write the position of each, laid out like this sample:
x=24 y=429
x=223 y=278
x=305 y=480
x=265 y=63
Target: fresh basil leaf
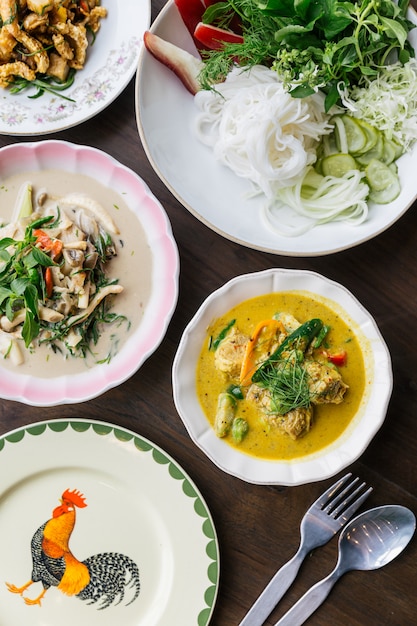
x=4 y=293
x=31 y=299
x=394 y=30
x=6 y=242
x=18 y=285
x=37 y=257
x=30 y=328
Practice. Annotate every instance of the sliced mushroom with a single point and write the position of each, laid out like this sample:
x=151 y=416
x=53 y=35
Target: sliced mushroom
x=99 y=212
x=73 y=259
x=49 y=315
x=103 y=293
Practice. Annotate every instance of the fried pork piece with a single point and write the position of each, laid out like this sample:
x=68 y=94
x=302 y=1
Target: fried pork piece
x=37 y=54
x=295 y=423
x=76 y=36
x=9 y=17
x=95 y=16
x=229 y=355
x=9 y=70
x=325 y=383
x=7 y=44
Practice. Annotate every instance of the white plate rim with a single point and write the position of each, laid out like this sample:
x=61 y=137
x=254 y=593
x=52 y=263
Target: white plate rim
x=67 y=434
x=111 y=64
x=350 y=445
x=146 y=339
x=323 y=240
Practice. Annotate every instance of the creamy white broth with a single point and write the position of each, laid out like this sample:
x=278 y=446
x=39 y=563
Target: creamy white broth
x=132 y=267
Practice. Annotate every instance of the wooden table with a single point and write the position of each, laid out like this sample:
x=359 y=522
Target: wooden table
x=257 y=525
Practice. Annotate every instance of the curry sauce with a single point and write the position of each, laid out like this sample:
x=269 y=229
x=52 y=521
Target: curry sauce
x=263 y=440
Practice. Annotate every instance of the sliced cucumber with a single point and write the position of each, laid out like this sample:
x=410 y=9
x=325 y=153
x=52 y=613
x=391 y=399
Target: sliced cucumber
x=386 y=195
x=374 y=153
x=388 y=152
x=383 y=182
x=355 y=135
x=338 y=165
x=372 y=135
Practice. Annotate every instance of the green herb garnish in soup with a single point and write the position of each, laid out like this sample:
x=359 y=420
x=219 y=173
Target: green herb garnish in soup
x=286 y=378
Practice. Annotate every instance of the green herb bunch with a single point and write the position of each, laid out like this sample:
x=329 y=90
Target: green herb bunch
x=312 y=44
x=22 y=283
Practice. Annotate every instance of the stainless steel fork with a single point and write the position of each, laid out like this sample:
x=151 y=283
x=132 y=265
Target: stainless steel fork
x=326 y=516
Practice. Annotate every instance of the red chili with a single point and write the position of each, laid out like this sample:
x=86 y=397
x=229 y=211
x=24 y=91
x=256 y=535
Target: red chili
x=44 y=241
x=338 y=358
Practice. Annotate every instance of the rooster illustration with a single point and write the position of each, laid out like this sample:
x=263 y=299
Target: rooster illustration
x=102 y=578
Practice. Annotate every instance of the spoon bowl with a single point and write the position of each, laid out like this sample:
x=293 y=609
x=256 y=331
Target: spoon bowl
x=375 y=538
x=370 y=541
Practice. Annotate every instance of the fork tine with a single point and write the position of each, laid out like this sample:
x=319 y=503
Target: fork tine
x=335 y=505
x=347 y=513
x=328 y=495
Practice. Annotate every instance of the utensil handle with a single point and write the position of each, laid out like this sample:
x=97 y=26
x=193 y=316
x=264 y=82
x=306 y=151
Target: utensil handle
x=309 y=602
x=274 y=591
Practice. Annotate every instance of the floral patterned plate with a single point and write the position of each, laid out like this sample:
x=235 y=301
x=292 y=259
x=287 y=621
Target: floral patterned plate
x=111 y=63
x=142 y=537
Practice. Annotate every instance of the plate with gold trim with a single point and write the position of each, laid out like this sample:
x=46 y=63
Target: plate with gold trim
x=99 y=525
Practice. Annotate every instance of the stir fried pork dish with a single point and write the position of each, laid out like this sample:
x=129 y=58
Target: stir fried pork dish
x=45 y=38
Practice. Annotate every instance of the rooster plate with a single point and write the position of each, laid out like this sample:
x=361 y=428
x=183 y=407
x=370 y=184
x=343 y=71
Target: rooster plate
x=102 y=578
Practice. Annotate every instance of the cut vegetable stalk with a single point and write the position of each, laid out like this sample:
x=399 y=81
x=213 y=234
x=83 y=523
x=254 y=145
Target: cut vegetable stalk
x=186 y=66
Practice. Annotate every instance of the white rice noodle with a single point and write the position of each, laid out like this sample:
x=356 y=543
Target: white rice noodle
x=258 y=130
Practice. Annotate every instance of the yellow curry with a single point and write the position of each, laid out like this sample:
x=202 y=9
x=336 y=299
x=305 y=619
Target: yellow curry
x=247 y=337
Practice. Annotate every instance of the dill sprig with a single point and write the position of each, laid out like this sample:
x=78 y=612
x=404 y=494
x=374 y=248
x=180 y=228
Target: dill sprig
x=287 y=384
x=258 y=48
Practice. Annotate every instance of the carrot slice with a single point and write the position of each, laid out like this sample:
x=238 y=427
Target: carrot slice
x=263 y=337
x=45 y=243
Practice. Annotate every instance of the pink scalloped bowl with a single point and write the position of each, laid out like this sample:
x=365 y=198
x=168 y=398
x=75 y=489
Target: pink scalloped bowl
x=163 y=298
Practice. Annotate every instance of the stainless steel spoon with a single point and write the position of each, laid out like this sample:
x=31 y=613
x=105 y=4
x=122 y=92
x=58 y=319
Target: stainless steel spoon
x=368 y=542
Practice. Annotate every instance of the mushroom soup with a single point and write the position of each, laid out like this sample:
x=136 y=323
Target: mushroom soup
x=130 y=267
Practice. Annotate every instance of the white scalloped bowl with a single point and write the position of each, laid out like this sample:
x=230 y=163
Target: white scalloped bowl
x=362 y=428
x=68 y=157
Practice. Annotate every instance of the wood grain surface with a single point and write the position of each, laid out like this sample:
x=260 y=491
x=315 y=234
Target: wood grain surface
x=257 y=525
